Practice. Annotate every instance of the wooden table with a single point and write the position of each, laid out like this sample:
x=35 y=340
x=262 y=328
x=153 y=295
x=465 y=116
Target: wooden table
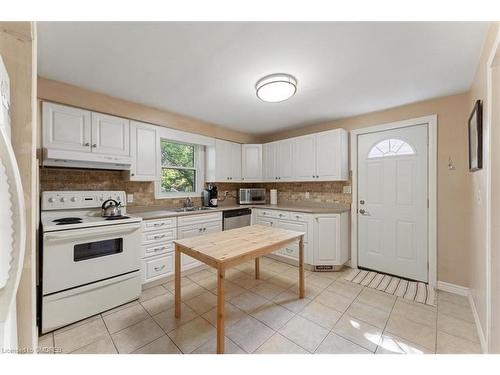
x=227 y=249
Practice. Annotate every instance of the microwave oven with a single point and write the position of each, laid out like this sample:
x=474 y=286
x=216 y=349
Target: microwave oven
x=252 y=196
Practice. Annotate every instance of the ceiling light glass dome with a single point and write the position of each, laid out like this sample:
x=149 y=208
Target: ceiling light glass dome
x=276 y=87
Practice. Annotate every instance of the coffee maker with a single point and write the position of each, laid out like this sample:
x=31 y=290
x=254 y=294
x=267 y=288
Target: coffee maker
x=210 y=196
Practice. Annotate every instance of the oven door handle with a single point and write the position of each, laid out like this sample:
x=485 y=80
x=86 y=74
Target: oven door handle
x=86 y=232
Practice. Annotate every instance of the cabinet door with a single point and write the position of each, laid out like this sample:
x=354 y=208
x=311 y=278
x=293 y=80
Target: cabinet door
x=235 y=160
x=110 y=135
x=188 y=232
x=328 y=155
x=270 y=163
x=66 y=128
x=251 y=162
x=222 y=160
x=304 y=158
x=326 y=240
x=285 y=166
x=143 y=149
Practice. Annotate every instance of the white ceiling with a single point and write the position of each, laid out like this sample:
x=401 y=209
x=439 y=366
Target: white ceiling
x=208 y=70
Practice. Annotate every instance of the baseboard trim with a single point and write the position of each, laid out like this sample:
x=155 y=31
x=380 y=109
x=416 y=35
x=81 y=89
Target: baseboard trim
x=453 y=288
x=482 y=338
x=464 y=291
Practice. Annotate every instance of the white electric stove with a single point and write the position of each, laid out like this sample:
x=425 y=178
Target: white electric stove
x=89 y=263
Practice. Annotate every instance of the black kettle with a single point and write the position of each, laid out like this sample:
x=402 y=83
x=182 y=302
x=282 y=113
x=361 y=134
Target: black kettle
x=111 y=208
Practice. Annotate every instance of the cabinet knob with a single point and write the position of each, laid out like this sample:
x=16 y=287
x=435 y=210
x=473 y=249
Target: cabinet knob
x=132 y=174
x=94 y=145
x=86 y=144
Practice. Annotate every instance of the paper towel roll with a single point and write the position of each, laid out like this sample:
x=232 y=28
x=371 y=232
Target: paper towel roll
x=274 y=196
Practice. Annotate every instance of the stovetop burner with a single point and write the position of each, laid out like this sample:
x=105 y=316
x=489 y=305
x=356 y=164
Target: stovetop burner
x=117 y=217
x=68 y=220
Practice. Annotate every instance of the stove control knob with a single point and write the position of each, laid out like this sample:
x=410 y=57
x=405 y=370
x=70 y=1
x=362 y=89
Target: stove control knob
x=50 y=200
x=73 y=199
x=63 y=199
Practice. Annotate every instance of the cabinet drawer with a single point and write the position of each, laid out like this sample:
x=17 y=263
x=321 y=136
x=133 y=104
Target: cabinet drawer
x=291 y=251
x=158 y=266
x=274 y=214
x=151 y=225
x=298 y=216
x=158 y=236
x=157 y=249
x=295 y=226
x=199 y=219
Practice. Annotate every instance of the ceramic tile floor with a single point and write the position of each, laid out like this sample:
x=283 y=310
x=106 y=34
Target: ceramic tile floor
x=266 y=316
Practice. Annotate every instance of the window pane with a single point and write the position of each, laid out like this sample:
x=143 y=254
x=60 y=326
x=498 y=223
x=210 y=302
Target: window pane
x=177 y=154
x=390 y=147
x=178 y=180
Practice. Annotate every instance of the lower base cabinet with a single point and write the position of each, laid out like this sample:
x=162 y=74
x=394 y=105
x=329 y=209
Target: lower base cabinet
x=325 y=236
x=157 y=242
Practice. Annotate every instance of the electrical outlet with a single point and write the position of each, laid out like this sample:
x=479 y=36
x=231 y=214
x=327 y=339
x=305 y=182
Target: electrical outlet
x=347 y=189
x=307 y=195
x=226 y=193
x=130 y=198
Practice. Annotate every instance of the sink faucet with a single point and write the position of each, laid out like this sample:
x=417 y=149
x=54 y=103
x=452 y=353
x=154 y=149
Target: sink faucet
x=188 y=202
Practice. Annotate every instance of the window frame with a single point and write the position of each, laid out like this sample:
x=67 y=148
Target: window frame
x=198 y=167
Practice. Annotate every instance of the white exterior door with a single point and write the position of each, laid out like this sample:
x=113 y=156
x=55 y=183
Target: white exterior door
x=393 y=202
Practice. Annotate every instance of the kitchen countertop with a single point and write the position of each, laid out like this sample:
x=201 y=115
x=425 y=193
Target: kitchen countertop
x=148 y=213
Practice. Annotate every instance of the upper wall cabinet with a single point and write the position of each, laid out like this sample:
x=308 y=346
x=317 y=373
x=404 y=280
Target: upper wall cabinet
x=278 y=161
x=251 y=162
x=321 y=156
x=66 y=128
x=223 y=162
x=143 y=150
x=75 y=137
x=110 y=134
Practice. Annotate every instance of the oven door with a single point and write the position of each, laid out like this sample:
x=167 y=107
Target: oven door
x=80 y=256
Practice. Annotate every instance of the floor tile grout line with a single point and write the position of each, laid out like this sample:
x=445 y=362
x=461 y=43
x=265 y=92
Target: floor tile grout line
x=109 y=333
x=385 y=326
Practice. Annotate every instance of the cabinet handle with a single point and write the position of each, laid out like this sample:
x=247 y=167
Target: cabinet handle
x=200 y=229
x=156 y=237
x=132 y=174
x=156 y=249
x=204 y=229
x=159 y=268
x=86 y=144
x=94 y=145
x=158 y=224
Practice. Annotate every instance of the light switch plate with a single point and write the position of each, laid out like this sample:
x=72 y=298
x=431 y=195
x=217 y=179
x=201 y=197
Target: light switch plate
x=130 y=198
x=347 y=189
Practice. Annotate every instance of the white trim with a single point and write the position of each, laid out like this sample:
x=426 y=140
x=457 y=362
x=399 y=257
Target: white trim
x=482 y=339
x=487 y=164
x=453 y=288
x=431 y=121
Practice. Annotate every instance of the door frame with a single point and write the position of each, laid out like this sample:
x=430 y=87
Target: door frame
x=431 y=122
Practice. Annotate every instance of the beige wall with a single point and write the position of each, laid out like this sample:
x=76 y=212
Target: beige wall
x=64 y=93
x=18 y=48
x=478 y=198
x=453 y=185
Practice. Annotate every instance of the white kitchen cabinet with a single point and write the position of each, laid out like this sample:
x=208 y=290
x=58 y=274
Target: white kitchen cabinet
x=144 y=151
x=331 y=245
x=66 y=128
x=285 y=155
x=197 y=225
x=251 y=162
x=304 y=158
x=331 y=155
x=270 y=151
x=110 y=134
x=223 y=162
x=321 y=156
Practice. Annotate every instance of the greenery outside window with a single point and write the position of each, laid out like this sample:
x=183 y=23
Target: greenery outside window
x=178 y=168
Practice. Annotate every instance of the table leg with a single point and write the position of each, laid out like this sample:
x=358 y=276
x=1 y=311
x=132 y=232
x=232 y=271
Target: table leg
x=220 y=311
x=257 y=268
x=301 y=267
x=177 y=282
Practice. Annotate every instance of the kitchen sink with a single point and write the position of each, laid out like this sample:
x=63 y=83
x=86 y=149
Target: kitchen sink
x=191 y=209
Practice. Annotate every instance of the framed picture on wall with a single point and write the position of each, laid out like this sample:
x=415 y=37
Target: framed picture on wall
x=476 y=138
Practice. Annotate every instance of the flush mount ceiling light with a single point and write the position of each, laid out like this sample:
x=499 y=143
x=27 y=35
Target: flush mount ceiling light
x=276 y=87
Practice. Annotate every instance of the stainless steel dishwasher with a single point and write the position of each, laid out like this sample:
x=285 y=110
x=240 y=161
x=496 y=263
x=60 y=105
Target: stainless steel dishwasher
x=236 y=218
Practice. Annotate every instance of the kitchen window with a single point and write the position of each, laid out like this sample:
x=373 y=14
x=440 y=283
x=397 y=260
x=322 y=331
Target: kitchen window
x=180 y=174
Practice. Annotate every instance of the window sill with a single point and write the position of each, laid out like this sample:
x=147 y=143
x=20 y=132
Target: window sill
x=177 y=195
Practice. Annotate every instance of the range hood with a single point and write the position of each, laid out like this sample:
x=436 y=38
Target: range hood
x=72 y=159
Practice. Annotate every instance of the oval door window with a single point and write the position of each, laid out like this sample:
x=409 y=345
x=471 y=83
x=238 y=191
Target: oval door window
x=391 y=147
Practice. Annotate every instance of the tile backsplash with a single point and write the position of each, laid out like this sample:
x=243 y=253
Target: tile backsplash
x=52 y=178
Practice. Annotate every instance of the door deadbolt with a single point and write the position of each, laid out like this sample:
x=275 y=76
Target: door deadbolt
x=361 y=201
